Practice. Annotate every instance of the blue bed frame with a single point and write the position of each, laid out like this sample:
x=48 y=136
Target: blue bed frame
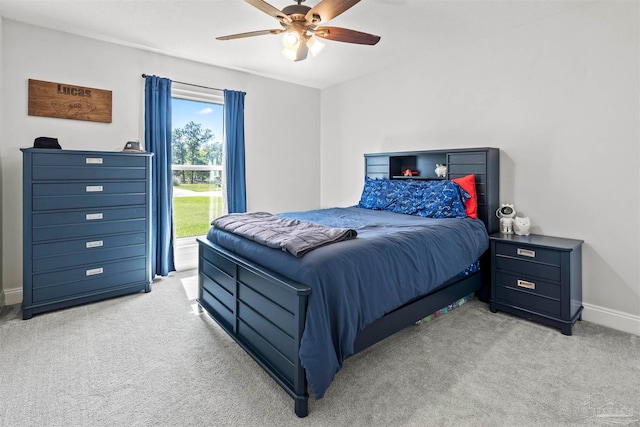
x=264 y=312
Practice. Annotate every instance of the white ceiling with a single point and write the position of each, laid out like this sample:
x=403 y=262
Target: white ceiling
x=187 y=29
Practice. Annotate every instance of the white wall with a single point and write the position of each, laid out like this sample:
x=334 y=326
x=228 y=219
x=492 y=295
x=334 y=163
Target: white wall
x=282 y=145
x=558 y=96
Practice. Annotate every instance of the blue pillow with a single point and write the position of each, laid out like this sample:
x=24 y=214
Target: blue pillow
x=432 y=199
x=406 y=201
x=377 y=194
x=440 y=199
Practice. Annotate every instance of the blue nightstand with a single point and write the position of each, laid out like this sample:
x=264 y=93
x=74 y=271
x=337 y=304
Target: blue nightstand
x=538 y=278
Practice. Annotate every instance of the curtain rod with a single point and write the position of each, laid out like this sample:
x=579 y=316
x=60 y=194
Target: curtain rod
x=190 y=84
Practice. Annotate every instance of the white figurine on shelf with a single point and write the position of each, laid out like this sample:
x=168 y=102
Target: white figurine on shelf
x=521 y=225
x=506 y=212
x=441 y=170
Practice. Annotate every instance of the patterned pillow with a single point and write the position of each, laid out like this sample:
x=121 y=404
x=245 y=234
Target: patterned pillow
x=406 y=201
x=378 y=194
x=441 y=199
x=432 y=199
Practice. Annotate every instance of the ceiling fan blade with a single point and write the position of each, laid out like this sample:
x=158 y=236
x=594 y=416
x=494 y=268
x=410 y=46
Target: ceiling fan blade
x=249 y=34
x=302 y=52
x=268 y=9
x=345 y=35
x=329 y=9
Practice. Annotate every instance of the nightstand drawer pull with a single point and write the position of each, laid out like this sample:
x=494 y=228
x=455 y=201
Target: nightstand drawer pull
x=525 y=284
x=526 y=252
x=93 y=161
x=95 y=271
x=93 y=188
x=90 y=217
x=94 y=244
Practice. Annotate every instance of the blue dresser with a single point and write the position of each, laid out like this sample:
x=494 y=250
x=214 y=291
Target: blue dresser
x=86 y=227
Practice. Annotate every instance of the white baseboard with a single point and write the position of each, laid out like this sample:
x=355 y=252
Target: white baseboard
x=592 y=313
x=13 y=296
x=611 y=318
x=1 y=299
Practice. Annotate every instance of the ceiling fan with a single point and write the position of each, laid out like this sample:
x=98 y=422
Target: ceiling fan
x=300 y=27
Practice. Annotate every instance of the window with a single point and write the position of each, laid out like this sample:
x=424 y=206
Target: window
x=197 y=153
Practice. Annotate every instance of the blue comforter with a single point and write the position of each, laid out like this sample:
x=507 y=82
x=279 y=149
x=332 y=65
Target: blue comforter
x=394 y=259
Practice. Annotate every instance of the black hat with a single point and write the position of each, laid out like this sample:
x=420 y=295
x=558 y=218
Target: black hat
x=46 y=142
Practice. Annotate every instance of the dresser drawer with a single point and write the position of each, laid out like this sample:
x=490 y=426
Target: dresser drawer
x=55 y=201
x=64 y=247
x=51 y=173
x=525 y=283
x=92 y=216
x=97 y=227
x=527 y=300
x=94 y=160
x=528 y=268
x=90 y=254
x=88 y=188
x=88 y=279
x=528 y=253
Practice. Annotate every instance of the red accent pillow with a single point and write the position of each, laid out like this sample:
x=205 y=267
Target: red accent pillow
x=468 y=183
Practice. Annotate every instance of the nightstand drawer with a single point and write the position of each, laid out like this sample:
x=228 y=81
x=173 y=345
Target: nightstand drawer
x=545 y=271
x=527 y=300
x=528 y=253
x=525 y=283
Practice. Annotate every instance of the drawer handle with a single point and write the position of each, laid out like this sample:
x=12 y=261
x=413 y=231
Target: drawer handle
x=95 y=244
x=525 y=284
x=91 y=217
x=527 y=252
x=93 y=160
x=95 y=271
x=93 y=188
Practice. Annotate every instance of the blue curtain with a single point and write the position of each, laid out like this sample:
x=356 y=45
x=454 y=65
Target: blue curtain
x=157 y=136
x=234 y=165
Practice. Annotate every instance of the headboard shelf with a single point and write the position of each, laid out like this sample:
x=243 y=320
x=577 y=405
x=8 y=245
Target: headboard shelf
x=483 y=162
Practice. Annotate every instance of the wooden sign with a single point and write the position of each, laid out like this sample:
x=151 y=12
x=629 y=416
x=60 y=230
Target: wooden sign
x=65 y=101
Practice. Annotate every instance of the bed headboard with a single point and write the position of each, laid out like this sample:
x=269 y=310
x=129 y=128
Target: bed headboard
x=483 y=162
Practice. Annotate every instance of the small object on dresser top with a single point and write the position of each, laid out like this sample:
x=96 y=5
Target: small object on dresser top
x=506 y=213
x=46 y=142
x=521 y=225
x=441 y=170
x=132 y=146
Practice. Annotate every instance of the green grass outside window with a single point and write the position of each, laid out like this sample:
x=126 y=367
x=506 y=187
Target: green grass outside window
x=193 y=214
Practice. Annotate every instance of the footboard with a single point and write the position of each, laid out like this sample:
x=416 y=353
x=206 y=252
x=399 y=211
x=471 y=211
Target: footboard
x=262 y=311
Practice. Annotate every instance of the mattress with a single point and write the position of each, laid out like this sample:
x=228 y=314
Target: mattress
x=394 y=259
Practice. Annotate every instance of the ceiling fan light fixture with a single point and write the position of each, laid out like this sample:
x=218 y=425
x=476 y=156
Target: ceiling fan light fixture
x=291 y=40
x=300 y=27
x=315 y=46
x=289 y=53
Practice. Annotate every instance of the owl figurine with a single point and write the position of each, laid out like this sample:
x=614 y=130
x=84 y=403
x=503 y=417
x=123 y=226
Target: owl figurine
x=521 y=225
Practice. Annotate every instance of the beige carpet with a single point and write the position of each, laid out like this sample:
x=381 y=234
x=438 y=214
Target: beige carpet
x=151 y=360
